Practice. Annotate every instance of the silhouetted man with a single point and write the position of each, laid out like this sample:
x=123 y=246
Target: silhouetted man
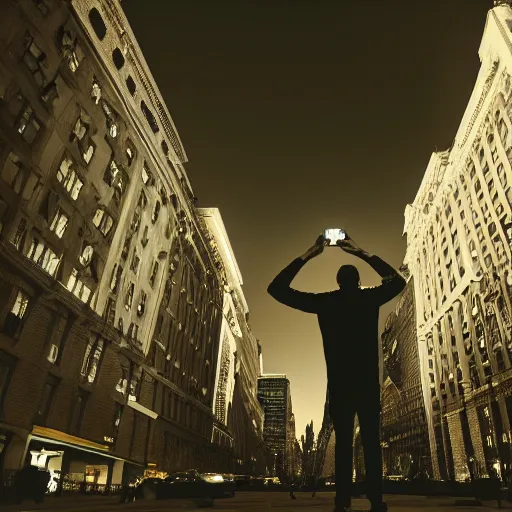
x=348 y=320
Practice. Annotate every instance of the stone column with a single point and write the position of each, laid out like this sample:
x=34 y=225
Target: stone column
x=460 y=467
x=476 y=438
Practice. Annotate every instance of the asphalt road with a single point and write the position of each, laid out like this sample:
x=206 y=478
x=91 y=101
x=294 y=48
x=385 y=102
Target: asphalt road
x=251 y=502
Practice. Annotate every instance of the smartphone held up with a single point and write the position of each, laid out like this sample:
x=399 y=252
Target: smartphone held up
x=333 y=235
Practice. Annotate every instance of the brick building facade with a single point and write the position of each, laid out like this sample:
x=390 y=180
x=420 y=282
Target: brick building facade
x=111 y=299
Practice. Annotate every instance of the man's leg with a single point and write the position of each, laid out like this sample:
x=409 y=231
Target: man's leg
x=369 y=422
x=343 y=423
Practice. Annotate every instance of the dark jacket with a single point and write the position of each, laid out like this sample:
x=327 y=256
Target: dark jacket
x=349 y=322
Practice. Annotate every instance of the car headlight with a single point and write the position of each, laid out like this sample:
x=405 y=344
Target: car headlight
x=213 y=478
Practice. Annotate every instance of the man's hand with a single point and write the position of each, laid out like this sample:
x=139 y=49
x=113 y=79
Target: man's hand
x=348 y=245
x=316 y=249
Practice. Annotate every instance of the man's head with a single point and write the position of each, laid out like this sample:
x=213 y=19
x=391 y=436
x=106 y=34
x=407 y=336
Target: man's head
x=348 y=277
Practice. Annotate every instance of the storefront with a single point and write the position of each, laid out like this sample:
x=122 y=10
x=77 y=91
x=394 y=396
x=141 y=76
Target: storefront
x=76 y=464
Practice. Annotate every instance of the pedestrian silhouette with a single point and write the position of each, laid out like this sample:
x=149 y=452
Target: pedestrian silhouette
x=348 y=319
x=292 y=492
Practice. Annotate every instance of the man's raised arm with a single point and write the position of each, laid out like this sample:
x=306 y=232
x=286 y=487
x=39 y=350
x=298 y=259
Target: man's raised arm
x=280 y=287
x=392 y=282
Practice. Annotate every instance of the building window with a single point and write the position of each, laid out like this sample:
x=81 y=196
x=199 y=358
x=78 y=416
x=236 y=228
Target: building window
x=117 y=420
x=154 y=272
x=7 y=365
x=86 y=255
x=126 y=246
x=144 y=241
x=122 y=383
x=130 y=154
x=28 y=126
x=130 y=84
x=118 y=58
x=78 y=411
x=103 y=221
x=42 y=6
x=150 y=118
x=18 y=240
x=77 y=287
x=70 y=49
x=146 y=175
x=92 y=357
x=141 y=307
x=59 y=223
x=115 y=178
x=135 y=263
x=143 y=200
x=133 y=331
x=110 y=311
x=13 y=323
x=43 y=256
x=81 y=135
x=97 y=23
x=129 y=297
x=13 y=173
x=110 y=118
x=50 y=93
x=69 y=179
x=33 y=57
x=46 y=402
x=156 y=212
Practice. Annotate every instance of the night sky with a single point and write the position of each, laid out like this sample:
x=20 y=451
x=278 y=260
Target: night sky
x=302 y=115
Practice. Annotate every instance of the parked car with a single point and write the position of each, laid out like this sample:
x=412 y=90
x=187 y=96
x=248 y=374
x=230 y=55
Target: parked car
x=201 y=488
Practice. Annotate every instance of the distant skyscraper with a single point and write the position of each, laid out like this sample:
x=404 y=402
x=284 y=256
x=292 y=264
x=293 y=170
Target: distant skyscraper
x=274 y=396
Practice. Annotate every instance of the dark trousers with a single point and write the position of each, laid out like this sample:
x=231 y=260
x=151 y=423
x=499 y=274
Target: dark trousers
x=342 y=410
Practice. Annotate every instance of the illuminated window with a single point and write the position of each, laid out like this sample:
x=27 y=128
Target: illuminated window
x=110 y=117
x=116 y=178
x=77 y=287
x=86 y=255
x=103 y=221
x=70 y=48
x=92 y=358
x=14 y=320
x=69 y=179
x=96 y=91
x=130 y=154
x=28 y=126
x=59 y=223
x=117 y=272
x=43 y=256
x=129 y=297
x=141 y=307
x=81 y=134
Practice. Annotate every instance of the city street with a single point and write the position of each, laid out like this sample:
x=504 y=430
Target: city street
x=247 y=501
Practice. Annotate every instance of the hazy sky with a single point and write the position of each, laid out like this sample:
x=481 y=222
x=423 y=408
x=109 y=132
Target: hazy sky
x=298 y=115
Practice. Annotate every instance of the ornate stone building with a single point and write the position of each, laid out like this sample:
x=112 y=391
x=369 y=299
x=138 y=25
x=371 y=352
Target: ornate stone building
x=235 y=400
x=459 y=236
x=111 y=297
x=404 y=434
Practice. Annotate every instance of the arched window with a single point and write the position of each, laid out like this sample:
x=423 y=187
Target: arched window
x=131 y=85
x=97 y=23
x=118 y=58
